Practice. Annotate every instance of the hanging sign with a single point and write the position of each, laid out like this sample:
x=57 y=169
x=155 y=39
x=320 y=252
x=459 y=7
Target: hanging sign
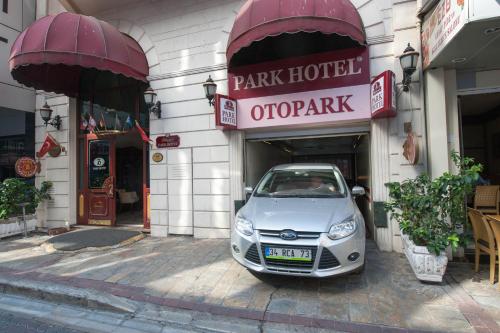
x=168 y=141
x=26 y=167
x=323 y=88
x=383 y=95
x=441 y=26
x=225 y=112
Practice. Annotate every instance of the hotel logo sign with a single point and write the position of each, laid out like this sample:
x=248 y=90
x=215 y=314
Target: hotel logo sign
x=320 y=88
x=225 y=112
x=383 y=95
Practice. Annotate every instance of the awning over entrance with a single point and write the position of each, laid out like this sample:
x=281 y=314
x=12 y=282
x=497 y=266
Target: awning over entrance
x=259 y=19
x=52 y=53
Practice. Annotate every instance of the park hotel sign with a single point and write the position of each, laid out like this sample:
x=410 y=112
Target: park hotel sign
x=322 y=88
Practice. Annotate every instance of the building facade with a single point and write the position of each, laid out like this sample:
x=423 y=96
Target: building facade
x=17 y=103
x=194 y=189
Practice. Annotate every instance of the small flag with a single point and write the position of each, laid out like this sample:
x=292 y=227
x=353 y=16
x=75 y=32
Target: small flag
x=143 y=134
x=118 y=123
x=129 y=123
x=48 y=144
x=92 y=124
x=102 y=123
x=83 y=123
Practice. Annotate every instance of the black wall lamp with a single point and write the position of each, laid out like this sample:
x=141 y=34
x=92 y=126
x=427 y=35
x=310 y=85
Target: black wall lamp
x=210 y=89
x=46 y=114
x=409 y=61
x=154 y=106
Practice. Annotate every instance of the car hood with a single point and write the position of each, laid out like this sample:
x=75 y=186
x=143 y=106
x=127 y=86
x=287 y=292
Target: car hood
x=299 y=214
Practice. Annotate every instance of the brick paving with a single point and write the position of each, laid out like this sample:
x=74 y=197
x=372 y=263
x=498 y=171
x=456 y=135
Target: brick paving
x=200 y=275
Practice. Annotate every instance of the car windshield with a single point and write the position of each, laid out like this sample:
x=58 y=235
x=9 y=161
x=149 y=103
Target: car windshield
x=302 y=183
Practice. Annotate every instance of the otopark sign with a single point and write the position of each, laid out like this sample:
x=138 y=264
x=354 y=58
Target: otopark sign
x=325 y=88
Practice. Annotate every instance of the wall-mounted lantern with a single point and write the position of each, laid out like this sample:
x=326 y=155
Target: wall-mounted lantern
x=409 y=61
x=210 y=89
x=150 y=97
x=46 y=114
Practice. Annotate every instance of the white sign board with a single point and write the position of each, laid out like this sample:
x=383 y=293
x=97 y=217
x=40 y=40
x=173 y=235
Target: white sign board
x=441 y=25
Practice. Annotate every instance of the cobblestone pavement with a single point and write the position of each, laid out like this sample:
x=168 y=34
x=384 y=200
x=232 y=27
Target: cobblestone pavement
x=203 y=272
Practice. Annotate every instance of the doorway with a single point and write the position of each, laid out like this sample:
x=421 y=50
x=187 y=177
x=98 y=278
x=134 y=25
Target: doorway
x=350 y=153
x=480 y=133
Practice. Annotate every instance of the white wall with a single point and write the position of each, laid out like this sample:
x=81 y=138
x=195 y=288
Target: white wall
x=193 y=188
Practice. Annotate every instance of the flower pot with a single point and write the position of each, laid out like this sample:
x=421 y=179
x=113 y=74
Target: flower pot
x=10 y=226
x=426 y=266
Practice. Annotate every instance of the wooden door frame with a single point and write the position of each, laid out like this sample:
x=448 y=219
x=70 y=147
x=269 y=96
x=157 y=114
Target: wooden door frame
x=82 y=204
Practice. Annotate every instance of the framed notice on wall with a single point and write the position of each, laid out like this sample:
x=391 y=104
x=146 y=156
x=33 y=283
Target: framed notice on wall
x=225 y=112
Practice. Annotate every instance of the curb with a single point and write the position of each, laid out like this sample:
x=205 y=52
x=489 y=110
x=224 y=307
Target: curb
x=108 y=296
x=67 y=295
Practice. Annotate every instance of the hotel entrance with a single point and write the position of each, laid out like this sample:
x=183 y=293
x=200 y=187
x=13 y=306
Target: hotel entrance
x=113 y=182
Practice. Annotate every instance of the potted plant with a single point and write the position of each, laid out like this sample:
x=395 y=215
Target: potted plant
x=14 y=194
x=432 y=215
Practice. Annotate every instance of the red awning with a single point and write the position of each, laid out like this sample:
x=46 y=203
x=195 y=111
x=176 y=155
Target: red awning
x=52 y=52
x=259 y=19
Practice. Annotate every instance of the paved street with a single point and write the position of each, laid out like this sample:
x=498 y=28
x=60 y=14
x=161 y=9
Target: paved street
x=182 y=272
x=15 y=323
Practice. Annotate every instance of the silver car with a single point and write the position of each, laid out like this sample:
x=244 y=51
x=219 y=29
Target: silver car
x=302 y=220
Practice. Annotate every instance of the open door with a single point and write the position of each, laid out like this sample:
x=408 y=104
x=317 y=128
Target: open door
x=97 y=199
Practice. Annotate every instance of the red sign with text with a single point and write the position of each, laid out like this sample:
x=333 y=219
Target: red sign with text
x=320 y=88
x=225 y=112
x=383 y=95
x=168 y=141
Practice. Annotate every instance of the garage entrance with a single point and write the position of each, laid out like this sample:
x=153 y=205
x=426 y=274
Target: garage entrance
x=349 y=152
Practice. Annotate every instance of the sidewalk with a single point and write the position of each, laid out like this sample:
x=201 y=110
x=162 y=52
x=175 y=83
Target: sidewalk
x=200 y=275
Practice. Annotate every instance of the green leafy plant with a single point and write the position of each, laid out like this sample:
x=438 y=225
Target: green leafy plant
x=14 y=191
x=432 y=212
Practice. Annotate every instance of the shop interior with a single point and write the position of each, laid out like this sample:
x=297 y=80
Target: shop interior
x=351 y=154
x=480 y=123
x=129 y=179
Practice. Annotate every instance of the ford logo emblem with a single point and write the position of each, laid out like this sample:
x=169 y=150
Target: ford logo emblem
x=288 y=235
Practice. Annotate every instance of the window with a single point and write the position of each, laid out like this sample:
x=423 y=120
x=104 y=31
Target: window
x=98 y=163
x=5 y=6
x=302 y=183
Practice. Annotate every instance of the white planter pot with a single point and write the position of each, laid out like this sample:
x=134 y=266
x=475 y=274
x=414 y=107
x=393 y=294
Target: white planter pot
x=13 y=228
x=426 y=266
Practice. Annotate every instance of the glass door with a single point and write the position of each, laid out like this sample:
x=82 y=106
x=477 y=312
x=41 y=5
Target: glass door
x=98 y=193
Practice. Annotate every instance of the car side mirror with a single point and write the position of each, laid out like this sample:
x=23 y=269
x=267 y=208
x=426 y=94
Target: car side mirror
x=358 y=191
x=248 y=192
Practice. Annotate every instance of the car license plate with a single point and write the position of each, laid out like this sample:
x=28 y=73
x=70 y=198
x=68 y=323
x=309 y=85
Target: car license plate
x=288 y=254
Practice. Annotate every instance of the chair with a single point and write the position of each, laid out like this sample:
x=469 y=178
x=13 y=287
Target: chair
x=486 y=199
x=484 y=240
x=128 y=197
x=495 y=226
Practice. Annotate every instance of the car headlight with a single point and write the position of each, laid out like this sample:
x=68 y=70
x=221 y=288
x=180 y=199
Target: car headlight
x=244 y=226
x=343 y=229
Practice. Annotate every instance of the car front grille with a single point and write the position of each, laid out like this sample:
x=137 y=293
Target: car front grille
x=327 y=260
x=253 y=255
x=290 y=263
x=300 y=234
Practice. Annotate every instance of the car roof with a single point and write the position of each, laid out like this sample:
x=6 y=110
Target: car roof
x=305 y=166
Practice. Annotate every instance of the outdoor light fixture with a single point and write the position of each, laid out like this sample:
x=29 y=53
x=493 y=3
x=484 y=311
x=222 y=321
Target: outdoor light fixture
x=151 y=102
x=46 y=114
x=409 y=61
x=210 y=90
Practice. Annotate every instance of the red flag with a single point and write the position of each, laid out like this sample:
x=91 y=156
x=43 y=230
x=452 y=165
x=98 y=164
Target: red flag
x=48 y=144
x=143 y=134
